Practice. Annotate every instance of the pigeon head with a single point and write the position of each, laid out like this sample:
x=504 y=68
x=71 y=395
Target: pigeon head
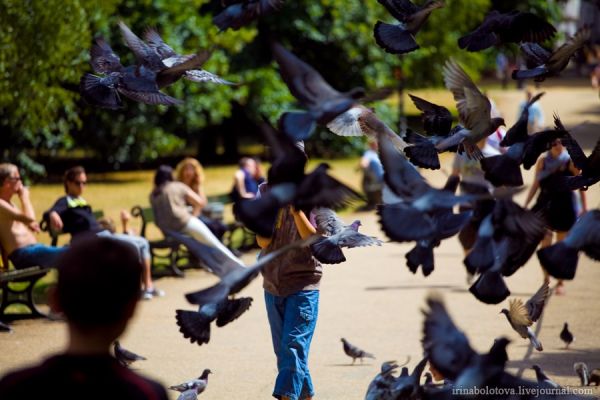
x=497 y=122
x=566 y=325
x=498 y=350
x=343 y=340
x=355 y=225
x=504 y=311
x=536 y=368
x=205 y=373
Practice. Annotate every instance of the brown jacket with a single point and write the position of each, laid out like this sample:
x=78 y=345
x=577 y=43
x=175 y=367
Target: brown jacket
x=297 y=269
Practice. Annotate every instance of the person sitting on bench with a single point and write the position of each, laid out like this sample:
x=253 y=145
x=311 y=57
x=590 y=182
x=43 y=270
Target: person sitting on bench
x=18 y=225
x=72 y=214
x=97 y=292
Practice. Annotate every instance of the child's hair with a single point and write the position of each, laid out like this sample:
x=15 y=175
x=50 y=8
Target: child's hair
x=98 y=279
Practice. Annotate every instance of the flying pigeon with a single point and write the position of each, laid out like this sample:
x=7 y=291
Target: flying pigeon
x=543 y=379
x=590 y=173
x=328 y=249
x=380 y=385
x=560 y=259
x=354 y=352
x=400 y=38
x=124 y=356
x=566 y=336
x=239 y=13
x=323 y=102
x=521 y=317
x=542 y=63
x=512 y=27
x=198 y=385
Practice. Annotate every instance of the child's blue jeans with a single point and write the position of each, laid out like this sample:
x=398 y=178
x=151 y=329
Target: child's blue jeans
x=293 y=319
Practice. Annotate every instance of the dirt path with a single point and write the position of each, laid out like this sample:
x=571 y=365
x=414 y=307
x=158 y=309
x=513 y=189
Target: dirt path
x=372 y=300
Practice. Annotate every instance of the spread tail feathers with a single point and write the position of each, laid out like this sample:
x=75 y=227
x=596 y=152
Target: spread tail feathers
x=481 y=257
x=420 y=255
x=490 y=288
x=327 y=252
x=394 y=39
x=193 y=326
x=298 y=125
x=559 y=260
x=403 y=223
x=502 y=171
x=97 y=93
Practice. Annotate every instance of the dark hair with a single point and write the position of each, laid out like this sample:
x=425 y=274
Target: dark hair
x=163 y=175
x=98 y=279
x=71 y=174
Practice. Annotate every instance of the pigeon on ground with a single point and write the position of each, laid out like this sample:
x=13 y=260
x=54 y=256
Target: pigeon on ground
x=167 y=70
x=560 y=259
x=408 y=386
x=566 y=336
x=195 y=325
x=5 y=327
x=239 y=277
x=170 y=59
x=198 y=385
x=354 y=352
x=323 y=102
x=582 y=371
x=400 y=38
x=473 y=109
x=595 y=377
x=379 y=387
x=328 y=249
x=189 y=394
x=512 y=27
x=450 y=353
x=522 y=316
x=542 y=63
x=543 y=379
x=360 y=120
x=239 y=13
x=137 y=82
x=124 y=356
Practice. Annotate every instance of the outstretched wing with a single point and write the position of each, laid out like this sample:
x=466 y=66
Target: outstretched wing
x=327 y=221
x=518 y=313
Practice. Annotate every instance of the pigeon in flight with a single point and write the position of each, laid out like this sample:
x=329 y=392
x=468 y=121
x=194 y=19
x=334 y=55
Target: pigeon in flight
x=170 y=59
x=582 y=371
x=542 y=63
x=400 y=38
x=354 y=352
x=379 y=388
x=566 y=336
x=328 y=249
x=560 y=259
x=590 y=172
x=512 y=27
x=198 y=385
x=195 y=325
x=137 y=82
x=522 y=316
x=239 y=277
x=323 y=102
x=518 y=131
x=543 y=379
x=124 y=356
x=473 y=109
x=239 y=13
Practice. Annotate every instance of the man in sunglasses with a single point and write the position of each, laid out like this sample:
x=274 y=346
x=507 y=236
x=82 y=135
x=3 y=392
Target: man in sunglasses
x=18 y=225
x=72 y=214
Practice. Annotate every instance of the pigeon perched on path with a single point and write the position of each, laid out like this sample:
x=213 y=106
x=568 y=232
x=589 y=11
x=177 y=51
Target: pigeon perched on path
x=198 y=385
x=354 y=352
x=566 y=336
x=400 y=38
x=522 y=316
x=380 y=385
x=512 y=27
x=137 y=82
x=582 y=371
x=474 y=110
x=543 y=379
x=323 y=102
x=239 y=277
x=170 y=58
x=328 y=249
x=124 y=356
x=195 y=325
x=560 y=259
x=239 y=13
x=542 y=63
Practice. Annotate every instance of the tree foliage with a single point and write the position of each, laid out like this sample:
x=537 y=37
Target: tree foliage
x=45 y=51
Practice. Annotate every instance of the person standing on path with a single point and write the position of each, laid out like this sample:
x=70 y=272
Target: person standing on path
x=291 y=285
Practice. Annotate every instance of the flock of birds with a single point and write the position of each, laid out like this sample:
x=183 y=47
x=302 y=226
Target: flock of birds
x=507 y=234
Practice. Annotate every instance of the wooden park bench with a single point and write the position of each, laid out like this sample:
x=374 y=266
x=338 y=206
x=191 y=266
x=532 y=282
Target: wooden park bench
x=54 y=235
x=17 y=288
